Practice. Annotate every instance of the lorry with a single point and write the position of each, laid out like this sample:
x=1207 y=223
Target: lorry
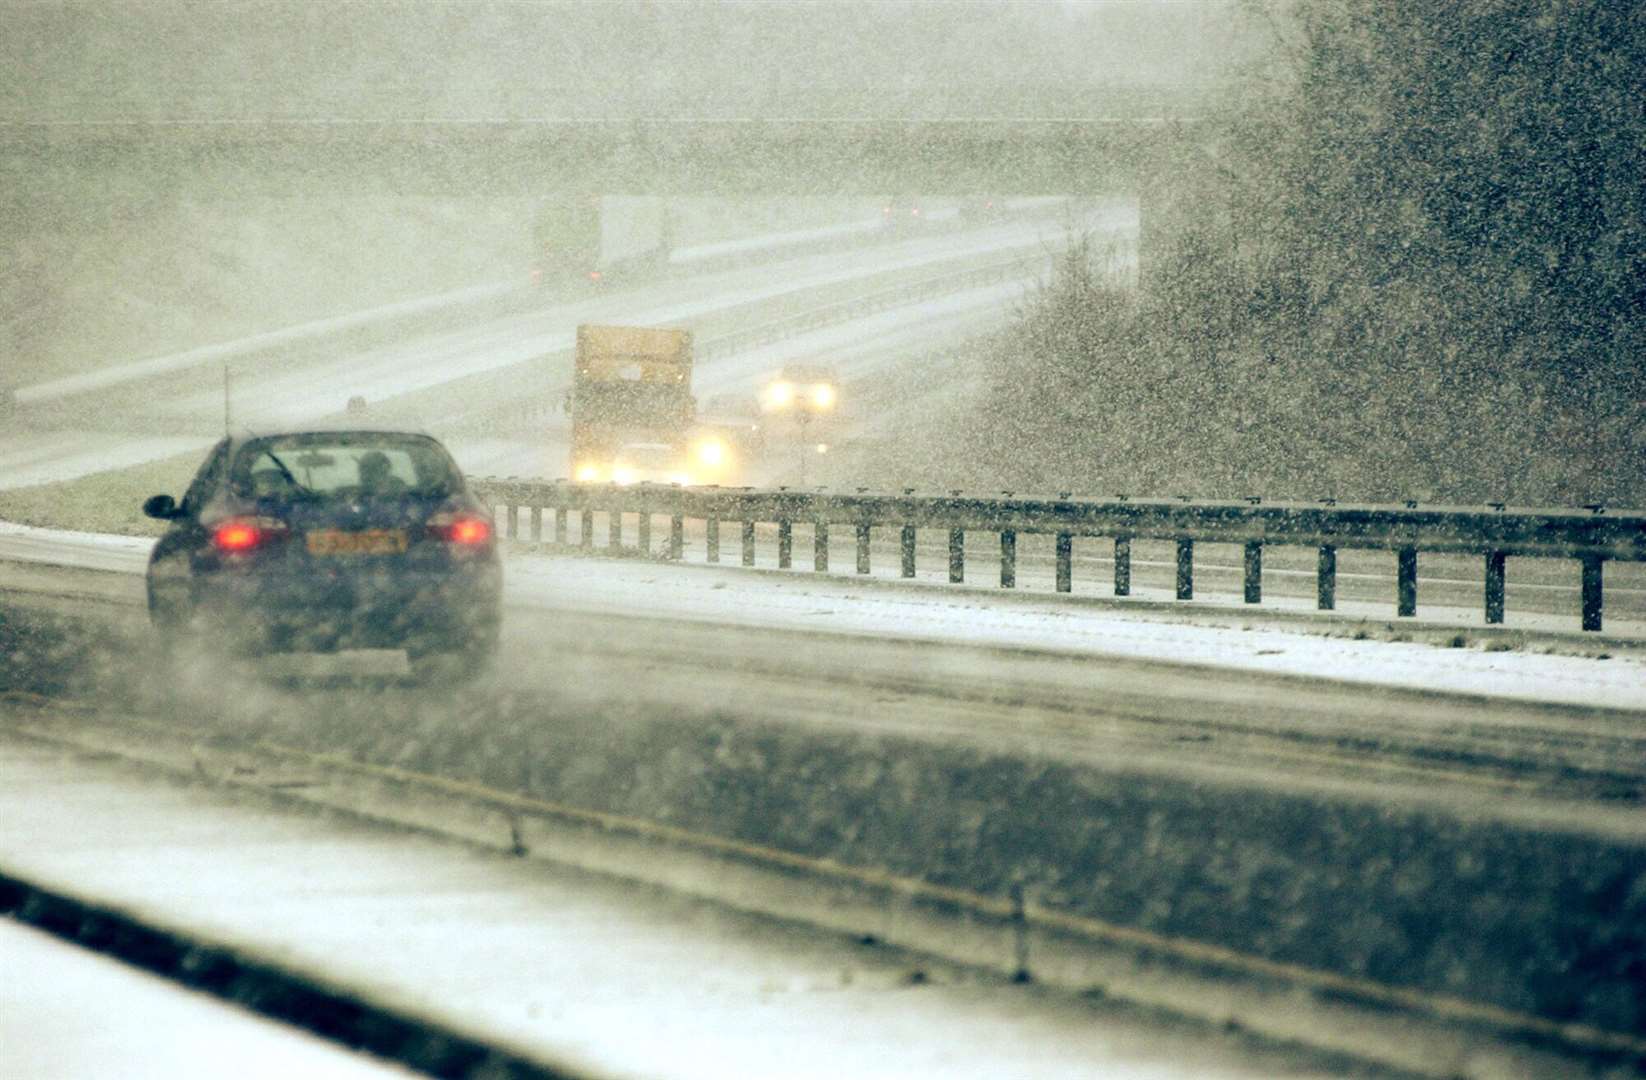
x=600 y=238
x=634 y=419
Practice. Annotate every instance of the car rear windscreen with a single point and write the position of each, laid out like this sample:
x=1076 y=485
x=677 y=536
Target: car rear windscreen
x=352 y=465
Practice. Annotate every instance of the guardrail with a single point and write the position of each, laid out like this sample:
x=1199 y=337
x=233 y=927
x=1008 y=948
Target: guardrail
x=1592 y=535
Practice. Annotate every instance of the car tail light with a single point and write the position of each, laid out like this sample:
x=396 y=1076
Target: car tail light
x=461 y=530
x=594 y=275
x=241 y=534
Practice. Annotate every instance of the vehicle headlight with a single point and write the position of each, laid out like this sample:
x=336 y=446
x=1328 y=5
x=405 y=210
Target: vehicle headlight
x=622 y=474
x=823 y=396
x=710 y=451
x=779 y=395
x=587 y=473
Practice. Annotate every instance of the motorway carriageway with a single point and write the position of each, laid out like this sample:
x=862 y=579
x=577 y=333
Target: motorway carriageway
x=1534 y=742
x=585 y=975
x=271 y=397
x=180 y=403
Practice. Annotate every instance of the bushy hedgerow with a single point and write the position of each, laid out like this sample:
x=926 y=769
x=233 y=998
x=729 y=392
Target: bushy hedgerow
x=1407 y=263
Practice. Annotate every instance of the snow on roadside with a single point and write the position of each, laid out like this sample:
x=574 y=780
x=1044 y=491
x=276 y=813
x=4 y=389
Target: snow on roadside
x=114 y=374
x=823 y=604
x=31 y=458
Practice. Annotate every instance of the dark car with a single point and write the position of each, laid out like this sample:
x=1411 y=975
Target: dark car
x=319 y=541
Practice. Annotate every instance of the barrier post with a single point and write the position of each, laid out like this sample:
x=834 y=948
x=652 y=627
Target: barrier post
x=1406 y=582
x=537 y=524
x=1065 y=562
x=586 y=539
x=560 y=515
x=908 y=550
x=1594 y=569
x=820 y=546
x=614 y=529
x=1494 y=586
x=1254 y=571
x=643 y=532
x=1326 y=578
x=785 y=544
x=957 y=555
x=677 y=537
x=1123 y=566
x=863 y=547
x=1185 y=568
x=1008 y=559
x=748 y=543
x=711 y=533
x=513 y=512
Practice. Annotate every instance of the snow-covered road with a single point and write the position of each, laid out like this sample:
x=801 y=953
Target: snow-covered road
x=385 y=373
x=593 y=975
x=978 y=617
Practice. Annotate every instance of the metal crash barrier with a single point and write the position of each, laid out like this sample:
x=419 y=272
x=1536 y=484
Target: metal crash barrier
x=1592 y=535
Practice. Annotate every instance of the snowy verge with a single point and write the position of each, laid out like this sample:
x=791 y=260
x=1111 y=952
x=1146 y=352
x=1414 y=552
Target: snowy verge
x=114 y=374
x=828 y=604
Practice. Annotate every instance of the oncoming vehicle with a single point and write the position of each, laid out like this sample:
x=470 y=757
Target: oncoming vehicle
x=320 y=541
x=802 y=391
x=663 y=463
x=634 y=419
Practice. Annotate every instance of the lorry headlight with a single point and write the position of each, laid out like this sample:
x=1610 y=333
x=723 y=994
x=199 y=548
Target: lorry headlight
x=711 y=451
x=823 y=396
x=622 y=474
x=587 y=474
x=779 y=395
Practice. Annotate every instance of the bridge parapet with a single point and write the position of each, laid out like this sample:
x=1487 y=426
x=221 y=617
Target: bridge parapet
x=799 y=155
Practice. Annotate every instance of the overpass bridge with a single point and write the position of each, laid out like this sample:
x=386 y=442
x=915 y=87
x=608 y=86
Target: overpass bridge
x=514 y=157
x=58 y=171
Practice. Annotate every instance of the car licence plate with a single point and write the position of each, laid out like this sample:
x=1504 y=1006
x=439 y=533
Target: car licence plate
x=362 y=542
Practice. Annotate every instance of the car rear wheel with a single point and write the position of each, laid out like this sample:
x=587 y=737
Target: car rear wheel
x=169 y=621
x=466 y=663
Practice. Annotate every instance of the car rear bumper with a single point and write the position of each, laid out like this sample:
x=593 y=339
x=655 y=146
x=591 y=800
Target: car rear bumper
x=420 y=611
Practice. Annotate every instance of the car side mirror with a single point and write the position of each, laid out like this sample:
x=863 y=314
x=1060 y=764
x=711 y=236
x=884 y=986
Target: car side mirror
x=163 y=507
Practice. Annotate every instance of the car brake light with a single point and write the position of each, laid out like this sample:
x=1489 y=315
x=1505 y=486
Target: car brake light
x=463 y=529
x=243 y=534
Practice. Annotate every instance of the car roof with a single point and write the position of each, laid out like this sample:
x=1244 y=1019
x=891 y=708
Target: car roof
x=324 y=428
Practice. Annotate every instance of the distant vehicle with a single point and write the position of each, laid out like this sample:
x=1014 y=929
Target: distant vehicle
x=802 y=391
x=324 y=540
x=800 y=409
x=600 y=238
x=982 y=208
x=902 y=213
x=634 y=419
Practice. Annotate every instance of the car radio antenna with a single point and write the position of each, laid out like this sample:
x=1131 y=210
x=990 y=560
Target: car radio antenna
x=225 y=398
